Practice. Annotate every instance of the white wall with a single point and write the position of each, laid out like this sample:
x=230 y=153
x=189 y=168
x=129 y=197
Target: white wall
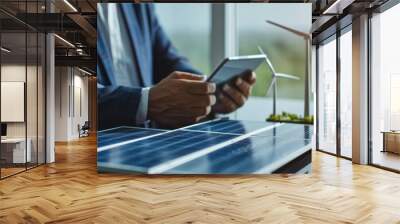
x=12 y=73
x=61 y=103
x=33 y=127
x=13 y=99
x=71 y=93
x=80 y=100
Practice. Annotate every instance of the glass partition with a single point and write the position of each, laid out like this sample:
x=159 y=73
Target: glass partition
x=22 y=92
x=14 y=151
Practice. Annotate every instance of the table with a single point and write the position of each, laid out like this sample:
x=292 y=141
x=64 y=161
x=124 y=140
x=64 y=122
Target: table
x=391 y=141
x=213 y=147
x=13 y=150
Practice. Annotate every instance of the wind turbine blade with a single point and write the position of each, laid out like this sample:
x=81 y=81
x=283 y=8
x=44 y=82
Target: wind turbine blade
x=271 y=85
x=287 y=76
x=267 y=60
x=297 y=32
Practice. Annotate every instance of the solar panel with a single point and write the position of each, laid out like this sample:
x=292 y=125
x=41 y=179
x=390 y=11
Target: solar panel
x=252 y=155
x=243 y=127
x=121 y=134
x=230 y=126
x=214 y=147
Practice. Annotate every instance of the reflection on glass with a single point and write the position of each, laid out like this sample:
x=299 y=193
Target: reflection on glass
x=327 y=97
x=385 y=84
x=346 y=94
x=14 y=151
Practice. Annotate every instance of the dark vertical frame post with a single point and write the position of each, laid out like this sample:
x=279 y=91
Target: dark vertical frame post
x=317 y=97
x=37 y=89
x=369 y=71
x=338 y=95
x=1 y=24
x=73 y=91
x=26 y=86
x=69 y=92
x=45 y=87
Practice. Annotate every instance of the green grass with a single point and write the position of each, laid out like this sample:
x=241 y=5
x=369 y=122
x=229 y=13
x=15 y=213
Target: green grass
x=291 y=118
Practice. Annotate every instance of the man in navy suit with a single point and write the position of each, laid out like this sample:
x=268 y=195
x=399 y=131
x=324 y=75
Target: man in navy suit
x=142 y=78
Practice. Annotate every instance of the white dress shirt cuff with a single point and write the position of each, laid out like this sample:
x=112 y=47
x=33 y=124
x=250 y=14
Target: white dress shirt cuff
x=141 y=114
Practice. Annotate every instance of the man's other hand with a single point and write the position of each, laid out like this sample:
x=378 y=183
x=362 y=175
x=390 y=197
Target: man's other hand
x=180 y=99
x=235 y=94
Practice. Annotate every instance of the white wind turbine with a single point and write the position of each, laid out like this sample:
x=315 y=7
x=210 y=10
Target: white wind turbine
x=274 y=84
x=307 y=38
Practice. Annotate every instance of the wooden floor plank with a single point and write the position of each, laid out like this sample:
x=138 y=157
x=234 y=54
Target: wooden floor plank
x=71 y=191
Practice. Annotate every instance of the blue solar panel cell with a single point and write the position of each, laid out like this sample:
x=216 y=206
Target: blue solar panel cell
x=252 y=155
x=150 y=152
x=112 y=136
x=230 y=126
x=289 y=131
x=244 y=127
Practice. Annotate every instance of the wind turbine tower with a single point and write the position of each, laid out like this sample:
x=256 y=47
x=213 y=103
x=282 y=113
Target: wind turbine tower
x=307 y=38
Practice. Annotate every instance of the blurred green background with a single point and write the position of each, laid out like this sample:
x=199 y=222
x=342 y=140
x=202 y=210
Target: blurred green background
x=189 y=28
x=287 y=55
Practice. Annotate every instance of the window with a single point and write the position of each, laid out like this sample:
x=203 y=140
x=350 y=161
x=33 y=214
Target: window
x=385 y=84
x=334 y=138
x=183 y=32
x=327 y=96
x=346 y=94
x=247 y=23
x=285 y=50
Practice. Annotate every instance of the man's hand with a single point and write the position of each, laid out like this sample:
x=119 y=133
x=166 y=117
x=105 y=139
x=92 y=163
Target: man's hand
x=234 y=95
x=180 y=99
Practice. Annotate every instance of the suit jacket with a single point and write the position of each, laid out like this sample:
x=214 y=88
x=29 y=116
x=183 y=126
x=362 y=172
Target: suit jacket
x=156 y=58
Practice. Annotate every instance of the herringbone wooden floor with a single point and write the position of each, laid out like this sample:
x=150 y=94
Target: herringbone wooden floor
x=71 y=191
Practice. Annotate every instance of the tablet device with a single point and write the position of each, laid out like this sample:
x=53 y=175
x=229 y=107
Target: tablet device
x=233 y=67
